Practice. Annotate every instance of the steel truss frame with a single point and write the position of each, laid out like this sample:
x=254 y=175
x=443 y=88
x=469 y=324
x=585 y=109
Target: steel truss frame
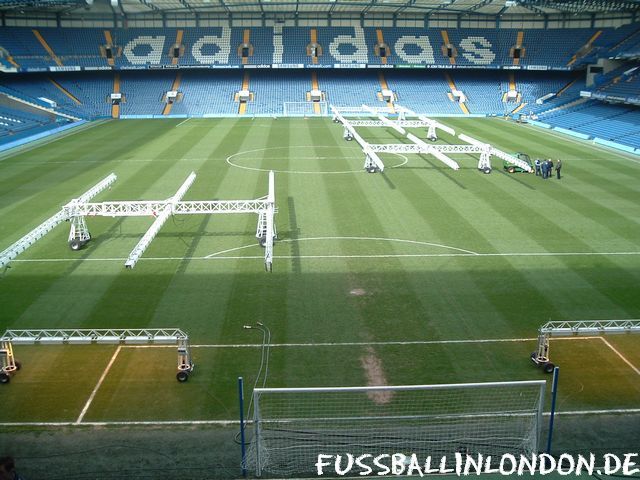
x=418 y=146
x=107 y=336
x=575 y=328
x=77 y=209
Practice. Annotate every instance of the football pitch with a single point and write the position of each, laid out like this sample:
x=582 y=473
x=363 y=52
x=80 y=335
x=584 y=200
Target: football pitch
x=418 y=275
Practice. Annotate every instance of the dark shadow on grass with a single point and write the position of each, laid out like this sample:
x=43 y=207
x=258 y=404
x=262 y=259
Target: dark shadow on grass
x=442 y=172
x=513 y=177
x=193 y=244
x=294 y=232
x=388 y=181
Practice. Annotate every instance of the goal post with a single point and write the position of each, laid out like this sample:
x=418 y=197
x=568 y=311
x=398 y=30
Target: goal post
x=292 y=426
x=305 y=109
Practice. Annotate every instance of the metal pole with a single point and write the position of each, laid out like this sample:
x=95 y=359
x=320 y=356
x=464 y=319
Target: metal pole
x=242 y=442
x=554 y=394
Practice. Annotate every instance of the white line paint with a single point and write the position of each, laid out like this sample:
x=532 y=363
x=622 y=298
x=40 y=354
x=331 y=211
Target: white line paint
x=184 y=121
x=613 y=411
x=624 y=359
x=365 y=344
x=218 y=256
x=97 y=387
x=375 y=239
x=333 y=147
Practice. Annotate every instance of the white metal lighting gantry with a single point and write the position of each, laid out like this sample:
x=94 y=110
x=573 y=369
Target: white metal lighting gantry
x=106 y=336
x=373 y=162
x=575 y=328
x=77 y=209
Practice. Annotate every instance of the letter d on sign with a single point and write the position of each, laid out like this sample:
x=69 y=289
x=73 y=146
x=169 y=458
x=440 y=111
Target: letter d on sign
x=609 y=460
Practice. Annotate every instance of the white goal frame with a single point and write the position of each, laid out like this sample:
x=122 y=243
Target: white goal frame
x=292 y=426
x=304 y=109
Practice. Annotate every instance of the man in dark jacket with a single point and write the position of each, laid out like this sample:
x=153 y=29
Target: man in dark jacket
x=558 y=168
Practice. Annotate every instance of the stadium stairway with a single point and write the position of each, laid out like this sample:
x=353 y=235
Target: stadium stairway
x=519 y=43
x=66 y=92
x=445 y=38
x=566 y=106
x=380 y=38
x=452 y=85
x=109 y=40
x=179 y=35
x=627 y=41
x=315 y=86
x=313 y=34
x=46 y=46
x=174 y=87
x=585 y=49
x=385 y=86
x=242 y=108
x=246 y=39
x=115 y=108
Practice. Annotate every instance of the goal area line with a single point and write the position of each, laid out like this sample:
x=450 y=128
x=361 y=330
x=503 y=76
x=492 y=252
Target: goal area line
x=226 y=423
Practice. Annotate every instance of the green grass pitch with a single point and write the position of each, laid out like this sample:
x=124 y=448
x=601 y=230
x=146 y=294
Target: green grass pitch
x=363 y=263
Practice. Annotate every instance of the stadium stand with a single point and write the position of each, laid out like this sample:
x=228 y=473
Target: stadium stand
x=620 y=86
x=144 y=47
x=17 y=123
x=208 y=92
x=478 y=55
x=601 y=120
x=346 y=89
x=273 y=88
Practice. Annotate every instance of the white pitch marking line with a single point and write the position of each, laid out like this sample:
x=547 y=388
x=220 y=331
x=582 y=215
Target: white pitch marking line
x=216 y=256
x=184 y=121
x=376 y=239
x=624 y=359
x=255 y=169
x=97 y=387
x=614 y=411
x=366 y=344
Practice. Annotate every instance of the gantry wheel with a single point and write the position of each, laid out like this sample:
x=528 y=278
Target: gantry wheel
x=548 y=367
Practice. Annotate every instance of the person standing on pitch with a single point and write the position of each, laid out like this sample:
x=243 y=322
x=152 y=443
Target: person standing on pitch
x=550 y=171
x=558 y=167
x=537 y=164
x=543 y=167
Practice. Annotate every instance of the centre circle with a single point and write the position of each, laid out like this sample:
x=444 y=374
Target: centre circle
x=235 y=160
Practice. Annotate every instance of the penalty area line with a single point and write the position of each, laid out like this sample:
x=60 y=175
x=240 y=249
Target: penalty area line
x=184 y=121
x=366 y=344
x=97 y=387
x=622 y=357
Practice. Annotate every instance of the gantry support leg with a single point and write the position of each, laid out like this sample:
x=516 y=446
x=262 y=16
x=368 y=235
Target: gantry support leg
x=431 y=133
x=8 y=363
x=79 y=233
x=541 y=356
x=185 y=363
x=484 y=164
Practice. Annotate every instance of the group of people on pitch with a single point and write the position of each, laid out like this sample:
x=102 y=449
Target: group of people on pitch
x=544 y=168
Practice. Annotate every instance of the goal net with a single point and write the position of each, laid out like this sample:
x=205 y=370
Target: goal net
x=292 y=426
x=304 y=109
